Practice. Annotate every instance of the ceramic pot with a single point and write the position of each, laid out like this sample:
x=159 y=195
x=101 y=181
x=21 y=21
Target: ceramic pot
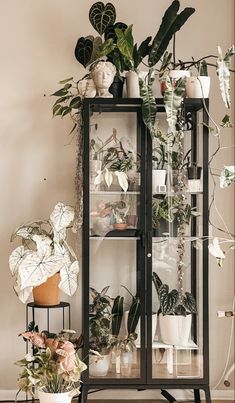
x=48 y=293
x=54 y=397
x=132 y=84
x=198 y=87
x=175 y=329
x=120 y=226
x=116 y=87
x=158 y=179
x=99 y=367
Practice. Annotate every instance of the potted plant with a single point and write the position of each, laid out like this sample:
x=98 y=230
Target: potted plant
x=120 y=211
x=100 y=316
x=159 y=159
x=175 y=313
x=117 y=162
x=54 y=369
x=168 y=215
x=44 y=256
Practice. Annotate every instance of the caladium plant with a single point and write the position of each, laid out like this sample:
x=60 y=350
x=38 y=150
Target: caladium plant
x=44 y=252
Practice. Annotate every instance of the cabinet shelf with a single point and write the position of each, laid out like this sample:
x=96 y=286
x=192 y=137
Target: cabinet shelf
x=113 y=192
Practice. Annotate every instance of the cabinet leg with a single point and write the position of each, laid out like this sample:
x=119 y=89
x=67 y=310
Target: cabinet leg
x=207 y=394
x=82 y=398
x=167 y=396
x=197 y=398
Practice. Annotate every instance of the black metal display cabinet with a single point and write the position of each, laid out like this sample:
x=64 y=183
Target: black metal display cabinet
x=121 y=251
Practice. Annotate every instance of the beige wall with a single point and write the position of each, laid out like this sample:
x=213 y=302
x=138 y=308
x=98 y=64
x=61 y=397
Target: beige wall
x=38 y=158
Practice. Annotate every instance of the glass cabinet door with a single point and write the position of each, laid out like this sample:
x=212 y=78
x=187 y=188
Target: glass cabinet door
x=178 y=256
x=114 y=212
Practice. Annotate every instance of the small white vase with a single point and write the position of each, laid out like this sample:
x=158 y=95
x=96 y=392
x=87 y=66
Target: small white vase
x=100 y=367
x=175 y=329
x=132 y=84
x=126 y=363
x=54 y=397
x=198 y=87
x=158 y=178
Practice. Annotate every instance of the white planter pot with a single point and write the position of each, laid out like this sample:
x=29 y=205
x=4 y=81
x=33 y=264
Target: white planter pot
x=137 y=330
x=54 y=397
x=175 y=329
x=99 y=367
x=198 y=87
x=132 y=85
x=158 y=178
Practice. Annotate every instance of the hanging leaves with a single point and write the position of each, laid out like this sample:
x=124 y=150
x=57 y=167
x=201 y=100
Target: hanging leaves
x=223 y=73
x=173 y=97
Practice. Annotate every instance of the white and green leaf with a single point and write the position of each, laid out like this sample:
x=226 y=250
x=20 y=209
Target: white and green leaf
x=62 y=216
x=68 y=275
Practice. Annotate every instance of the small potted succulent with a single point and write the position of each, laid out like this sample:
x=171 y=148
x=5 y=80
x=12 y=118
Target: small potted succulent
x=45 y=258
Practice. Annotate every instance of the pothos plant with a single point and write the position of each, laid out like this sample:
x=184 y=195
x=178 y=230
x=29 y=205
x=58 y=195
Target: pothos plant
x=44 y=252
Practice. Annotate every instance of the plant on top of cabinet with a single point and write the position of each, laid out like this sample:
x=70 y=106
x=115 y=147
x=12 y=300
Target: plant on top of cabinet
x=175 y=313
x=44 y=253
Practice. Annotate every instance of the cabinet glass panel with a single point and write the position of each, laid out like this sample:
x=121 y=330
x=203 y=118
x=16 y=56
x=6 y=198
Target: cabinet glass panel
x=177 y=257
x=115 y=227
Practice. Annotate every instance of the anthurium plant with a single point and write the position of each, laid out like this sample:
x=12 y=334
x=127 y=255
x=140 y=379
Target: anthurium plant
x=54 y=366
x=44 y=252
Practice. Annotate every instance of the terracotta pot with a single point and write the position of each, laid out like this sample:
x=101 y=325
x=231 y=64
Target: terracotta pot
x=120 y=226
x=48 y=293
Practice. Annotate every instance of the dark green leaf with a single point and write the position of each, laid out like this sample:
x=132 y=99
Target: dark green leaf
x=189 y=303
x=101 y=16
x=134 y=315
x=110 y=31
x=168 y=300
x=65 y=110
x=125 y=43
x=83 y=50
x=66 y=80
x=57 y=110
x=171 y=23
x=75 y=103
x=117 y=314
x=60 y=93
x=226 y=121
x=140 y=53
x=156 y=281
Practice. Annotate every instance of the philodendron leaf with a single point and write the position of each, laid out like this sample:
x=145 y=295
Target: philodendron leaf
x=68 y=275
x=168 y=300
x=149 y=107
x=107 y=47
x=122 y=180
x=97 y=42
x=223 y=64
x=62 y=216
x=125 y=43
x=171 y=23
x=83 y=50
x=101 y=16
x=173 y=97
x=156 y=281
x=189 y=303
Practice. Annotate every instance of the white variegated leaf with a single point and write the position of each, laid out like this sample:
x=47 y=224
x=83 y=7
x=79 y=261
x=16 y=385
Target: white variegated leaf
x=60 y=235
x=68 y=274
x=43 y=243
x=25 y=231
x=122 y=180
x=223 y=64
x=108 y=176
x=61 y=216
x=16 y=258
x=37 y=267
x=215 y=249
x=23 y=294
x=70 y=250
x=227 y=176
x=61 y=251
x=99 y=178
